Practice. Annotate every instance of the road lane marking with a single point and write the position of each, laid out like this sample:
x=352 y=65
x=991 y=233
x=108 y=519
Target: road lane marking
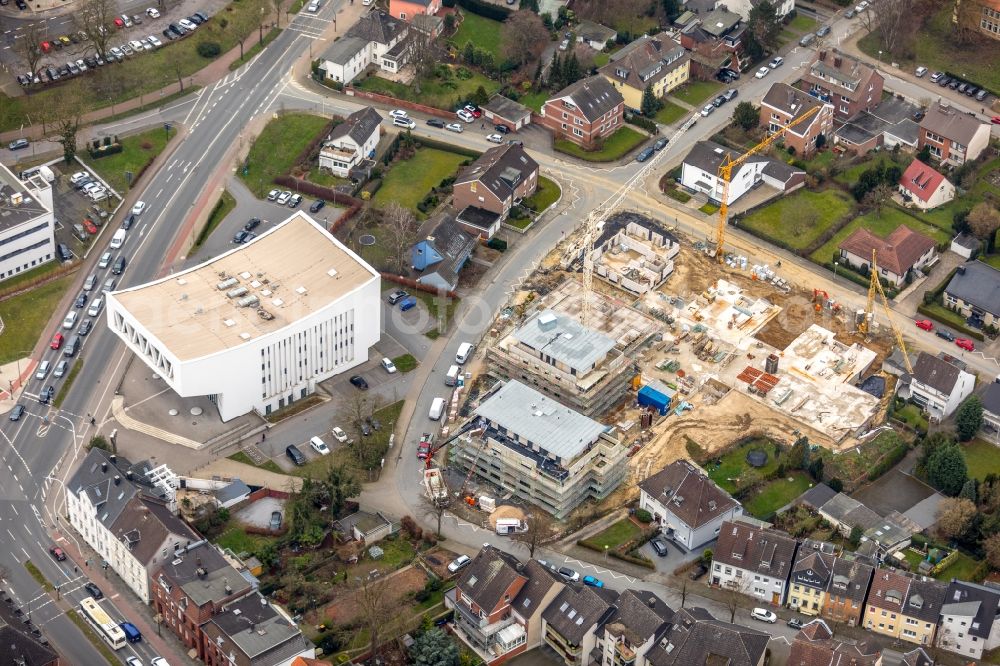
x=14 y=509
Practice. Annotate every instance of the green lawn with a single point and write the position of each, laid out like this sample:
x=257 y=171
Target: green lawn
x=709 y=209
x=269 y=465
x=881 y=226
x=534 y=100
x=440 y=91
x=409 y=181
x=25 y=316
x=670 y=113
x=962 y=568
x=441 y=309
x=139 y=76
x=138 y=150
x=225 y=205
x=850 y=175
x=776 y=494
x=405 y=363
x=481 y=31
x=601 y=59
x=732 y=464
x=615 y=146
x=936 y=48
x=546 y=194
x=696 y=92
x=612 y=537
x=803 y=24
x=783 y=220
x=912 y=416
x=633 y=23
x=273 y=153
x=325 y=178
x=945 y=316
x=982 y=458
x=237 y=540
x=991 y=259
x=19 y=281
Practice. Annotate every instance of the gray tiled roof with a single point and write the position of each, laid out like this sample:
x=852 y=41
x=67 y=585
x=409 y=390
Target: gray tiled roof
x=638 y=616
x=812 y=569
x=687 y=492
x=951 y=123
x=501 y=169
x=564 y=339
x=488 y=577
x=979 y=602
x=925 y=598
x=358 y=126
x=95 y=477
x=935 y=372
x=377 y=26
x=695 y=637
x=507 y=109
x=541 y=579
x=236 y=488
x=991 y=398
x=342 y=50
x=851 y=578
x=203 y=574
x=978 y=284
x=260 y=632
x=763 y=551
x=816 y=496
x=594 y=96
x=145 y=523
x=576 y=611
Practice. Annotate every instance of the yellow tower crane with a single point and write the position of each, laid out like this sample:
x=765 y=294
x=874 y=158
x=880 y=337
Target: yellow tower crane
x=865 y=324
x=726 y=173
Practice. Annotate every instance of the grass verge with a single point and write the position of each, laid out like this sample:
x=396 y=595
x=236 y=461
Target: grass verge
x=25 y=317
x=67 y=383
x=481 y=31
x=545 y=195
x=138 y=151
x=274 y=152
x=409 y=181
x=614 y=147
x=249 y=53
x=441 y=309
x=617 y=534
x=38 y=576
x=405 y=363
x=696 y=92
x=440 y=90
x=94 y=639
x=269 y=465
x=225 y=205
x=670 y=113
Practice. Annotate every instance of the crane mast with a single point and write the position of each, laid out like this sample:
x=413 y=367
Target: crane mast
x=864 y=326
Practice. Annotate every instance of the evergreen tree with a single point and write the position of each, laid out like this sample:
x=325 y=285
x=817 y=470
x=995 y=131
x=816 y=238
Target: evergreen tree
x=434 y=648
x=970 y=490
x=946 y=469
x=571 y=70
x=556 y=78
x=969 y=418
x=469 y=52
x=650 y=105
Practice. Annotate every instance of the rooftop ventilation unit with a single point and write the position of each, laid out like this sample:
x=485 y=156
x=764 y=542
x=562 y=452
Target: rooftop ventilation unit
x=181 y=281
x=16 y=199
x=236 y=293
x=277 y=302
x=265 y=292
x=332 y=272
x=229 y=322
x=245 y=336
x=255 y=284
x=301 y=291
x=248 y=301
x=226 y=284
x=246 y=275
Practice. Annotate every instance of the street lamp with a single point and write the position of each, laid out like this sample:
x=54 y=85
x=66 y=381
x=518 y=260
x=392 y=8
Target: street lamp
x=879 y=60
x=835 y=265
x=605 y=553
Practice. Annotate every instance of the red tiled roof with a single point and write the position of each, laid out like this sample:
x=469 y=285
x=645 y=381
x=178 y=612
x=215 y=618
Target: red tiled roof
x=898 y=252
x=920 y=180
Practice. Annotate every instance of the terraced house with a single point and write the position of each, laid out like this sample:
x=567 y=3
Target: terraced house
x=649 y=62
x=906 y=607
x=847 y=589
x=810 y=579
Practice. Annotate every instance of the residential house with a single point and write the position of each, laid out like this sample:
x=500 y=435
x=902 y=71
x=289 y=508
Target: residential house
x=482 y=223
x=543 y=586
x=815 y=645
x=408 y=9
x=887 y=534
x=584 y=112
x=686 y=504
x=657 y=63
x=991 y=411
x=365 y=527
x=484 y=598
x=20 y=646
x=594 y=35
x=232 y=493
x=753 y=560
x=503 y=111
x=970 y=619
x=847 y=589
x=783 y=105
x=695 y=637
x=811 y=576
x=844 y=81
x=639 y=620
x=570 y=623
x=253 y=632
x=743 y=7
x=937 y=386
x=905 y=607
x=974 y=291
x=496 y=181
x=700 y=173
x=888 y=125
x=917 y=657
x=902 y=251
x=351 y=142
x=440 y=257
x=541 y=451
x=125 y=512
x=925 y=188
x=952 y=135
x=192 y=587
x=376 y=39
x=984 y=15
x=554 y=353
x=713 y=40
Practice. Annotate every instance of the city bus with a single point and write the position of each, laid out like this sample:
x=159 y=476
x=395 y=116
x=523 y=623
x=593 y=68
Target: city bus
x=105 y=627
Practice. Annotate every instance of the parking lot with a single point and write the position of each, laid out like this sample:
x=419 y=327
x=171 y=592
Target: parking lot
x=73 y=208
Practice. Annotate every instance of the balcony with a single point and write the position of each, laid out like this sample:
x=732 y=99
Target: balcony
x=624 y=655
x=481 y=625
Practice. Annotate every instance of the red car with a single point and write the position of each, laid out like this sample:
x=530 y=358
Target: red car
x=91 y=228
x=46 y=47
x=965 y=344
x=57 y=553
x=476 y=113
x=996 y=120
x=424 y=448
x=925 y=324
x=57 y=341
x=119 y=23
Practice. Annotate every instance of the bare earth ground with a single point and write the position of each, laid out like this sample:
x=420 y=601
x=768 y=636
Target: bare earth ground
x=344 y=608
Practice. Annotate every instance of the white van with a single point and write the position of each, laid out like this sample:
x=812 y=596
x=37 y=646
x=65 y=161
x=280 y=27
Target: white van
x=509 y=526
x=95 y=307
x=452 y=377
x=437 y=409
x=118 y=239
x=464 y=351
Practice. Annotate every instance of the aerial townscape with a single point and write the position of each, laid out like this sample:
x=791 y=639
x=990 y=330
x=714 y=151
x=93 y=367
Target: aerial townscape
x=480 y=332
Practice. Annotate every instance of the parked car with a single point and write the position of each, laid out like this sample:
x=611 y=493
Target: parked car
x=388 y=365
x=590 y=581
x=105 y=260
x=698 y=571
x=919 y=73
x=396 y=296
x=359 y=382
x=317 y=206
x=455 y=127
x=661 y=143
x=93 y=590
x=398 y=113
x=925 y=324
x=273 y=194
x=57 y=341
x=660 y=546
x=188 y=25
x=241 y=236
x=436 y=122
x=18 y=144
x=465 y=115
x=731 y=94
x=966 y=344
x=251 y=224
x=62 y=367
x=152 y=13
x=459 y=563
x=295 y=201
x=283 y=198
x=474 y=110
x=502 y=129
x=995 y=120
x=823 y=31
x=795 y=623
x=495 y=138
x=339 y=434
x=569 y=574
x=981 y=95
x=645 y=154
x=85 y=326
x=761 y=73
x=319 y=446
x=707 y=110
x=935 y=76
x=763 y=615
x=295 y=455
x=719 y=101
x=776 y=62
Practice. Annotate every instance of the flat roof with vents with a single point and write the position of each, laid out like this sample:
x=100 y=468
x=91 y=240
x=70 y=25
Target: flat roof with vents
x=284 y=275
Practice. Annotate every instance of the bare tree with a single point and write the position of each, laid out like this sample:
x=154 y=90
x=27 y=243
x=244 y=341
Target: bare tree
x=95 y=19
x=541 y=526
x=245 y=21
x=524 y=37
x=684 y=591
x=377 y=605
x=109 y=83
x=28 y=43
x=63 y=114
x=277 y=10
x=893 y=20
x=434 y=507
x=399 y=224
x=954 y=515
x=733 y=598
x=966 y=21
x=423 y=56
x=877 y=199
x=359 y=411
x=984 y=220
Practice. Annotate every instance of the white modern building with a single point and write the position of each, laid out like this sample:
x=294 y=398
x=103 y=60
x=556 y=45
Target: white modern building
x=970 y=619
x=125 y=512
x=351 y=142
x=700 y=173
x=255 y=328
x=26 y=223
x=937 y=386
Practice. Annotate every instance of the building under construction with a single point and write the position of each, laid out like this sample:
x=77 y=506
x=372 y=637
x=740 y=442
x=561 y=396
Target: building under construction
x=541 y=451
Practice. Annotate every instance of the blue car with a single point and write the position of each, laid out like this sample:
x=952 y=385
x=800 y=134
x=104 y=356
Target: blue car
x=407 y=303
x=593 y=582
x=644 y=155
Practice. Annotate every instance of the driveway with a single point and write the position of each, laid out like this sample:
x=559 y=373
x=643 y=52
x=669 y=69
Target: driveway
x=258 y=514
x=674 y=558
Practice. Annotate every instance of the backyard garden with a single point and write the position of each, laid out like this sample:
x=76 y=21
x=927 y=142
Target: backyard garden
x=608 y=149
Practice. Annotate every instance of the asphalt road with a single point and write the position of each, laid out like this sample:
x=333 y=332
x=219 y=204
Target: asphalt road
x=44 y=438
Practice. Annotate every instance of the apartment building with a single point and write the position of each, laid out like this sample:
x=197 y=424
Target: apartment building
x=541 y=451
x=810 y=579
x=694 y=636
x=560 y=357
x=494 y=183
x=27 y=223
x=970 y=619
x=783 y=105
x=584 y=112
x=753 y=560
x=951 y=135
x=253 y=632
x=570 y=623
x=905 y=607
x=657 y=63
x=848 y=84
x=938 y=386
